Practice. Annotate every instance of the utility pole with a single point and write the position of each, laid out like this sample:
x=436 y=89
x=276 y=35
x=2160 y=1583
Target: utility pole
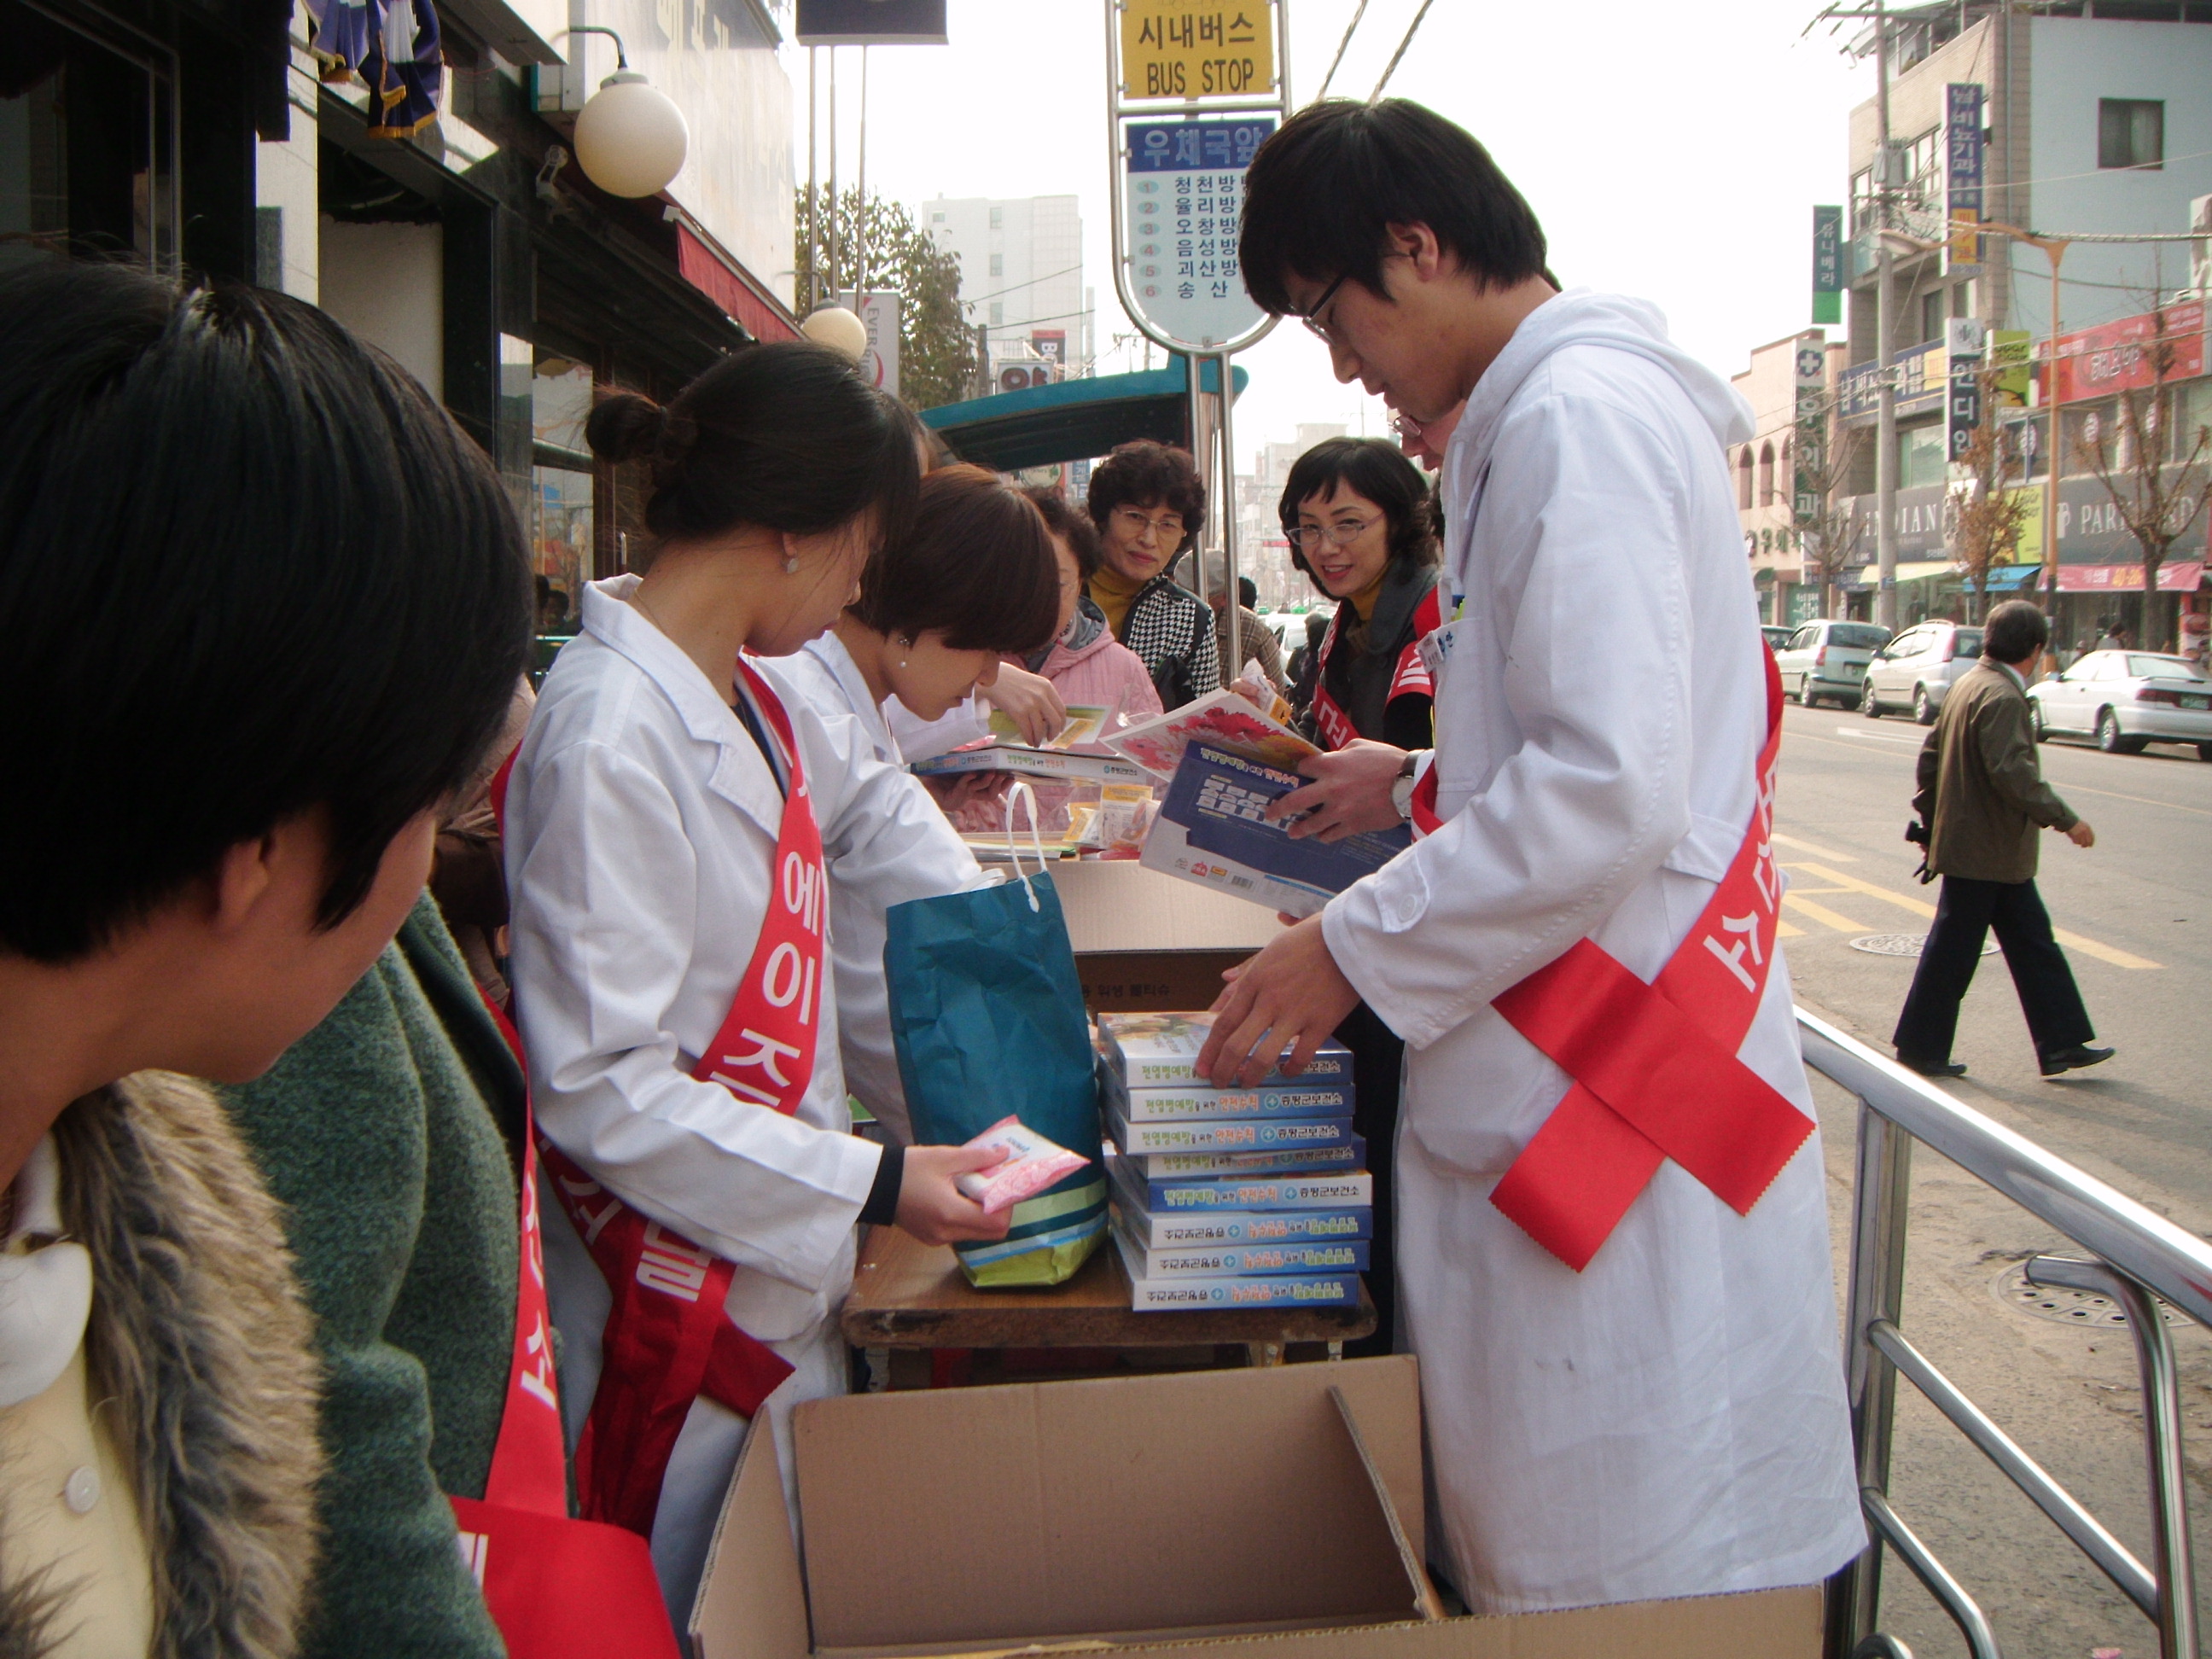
x=1885 y=452
x=832 y=244
x=860 y=191
x=813 y=196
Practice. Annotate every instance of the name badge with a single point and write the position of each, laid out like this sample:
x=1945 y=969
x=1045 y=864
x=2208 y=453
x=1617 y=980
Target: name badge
x=1437 y=649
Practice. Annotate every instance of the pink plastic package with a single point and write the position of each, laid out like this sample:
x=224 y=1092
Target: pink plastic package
x=1032 y=1164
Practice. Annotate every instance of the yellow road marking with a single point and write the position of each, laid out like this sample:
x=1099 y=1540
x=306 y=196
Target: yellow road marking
x=1785 y=930
x=1780 y=840
x=2088 y=947
x=1825 y=916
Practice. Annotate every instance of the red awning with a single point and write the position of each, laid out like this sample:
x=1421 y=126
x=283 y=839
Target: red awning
x=2174 y=576
x=728 y=286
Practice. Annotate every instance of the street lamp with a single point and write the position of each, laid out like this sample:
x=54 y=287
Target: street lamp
x=839 y=329
x=630 y=139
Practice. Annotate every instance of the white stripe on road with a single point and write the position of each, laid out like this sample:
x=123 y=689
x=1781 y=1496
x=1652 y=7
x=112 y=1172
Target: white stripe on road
x=1878 y=736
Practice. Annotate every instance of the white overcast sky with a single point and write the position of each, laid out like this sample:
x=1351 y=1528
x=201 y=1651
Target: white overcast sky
x=1673 y=151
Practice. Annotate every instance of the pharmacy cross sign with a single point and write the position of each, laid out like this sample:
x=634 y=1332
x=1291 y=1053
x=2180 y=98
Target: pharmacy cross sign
x=1186 y=190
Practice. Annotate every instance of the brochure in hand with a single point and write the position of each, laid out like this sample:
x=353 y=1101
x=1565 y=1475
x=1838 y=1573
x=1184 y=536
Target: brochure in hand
x=1085 y=722
x=1222 y=720
x=1212 y=829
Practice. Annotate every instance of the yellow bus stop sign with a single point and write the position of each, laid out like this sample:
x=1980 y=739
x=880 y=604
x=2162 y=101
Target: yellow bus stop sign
x=1198 y=48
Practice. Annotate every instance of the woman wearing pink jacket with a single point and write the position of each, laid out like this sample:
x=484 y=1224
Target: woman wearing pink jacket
x=1084 y=662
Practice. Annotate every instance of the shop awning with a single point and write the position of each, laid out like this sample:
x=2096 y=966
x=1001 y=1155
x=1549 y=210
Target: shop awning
x=2174 y=576
x=728 y=284
x=1908 y=570
x=1073 y=420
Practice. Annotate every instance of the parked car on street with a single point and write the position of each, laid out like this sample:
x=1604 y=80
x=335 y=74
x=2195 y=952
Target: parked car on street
x=1824 y=660
x=2126 y=700
x=1914 y=670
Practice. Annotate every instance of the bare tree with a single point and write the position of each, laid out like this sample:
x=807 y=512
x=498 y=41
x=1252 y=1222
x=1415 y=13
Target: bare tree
x=1991 y=514
x=2156 y=498
x=1825 y=450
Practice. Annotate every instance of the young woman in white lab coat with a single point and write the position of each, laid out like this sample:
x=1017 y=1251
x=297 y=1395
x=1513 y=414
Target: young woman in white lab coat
x=662 y=817
x=973 y=577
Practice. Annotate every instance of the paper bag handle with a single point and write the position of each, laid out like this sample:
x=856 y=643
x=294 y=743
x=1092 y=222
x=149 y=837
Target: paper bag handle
x=1021 y=791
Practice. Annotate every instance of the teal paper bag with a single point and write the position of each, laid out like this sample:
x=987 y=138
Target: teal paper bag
x=987 y=1016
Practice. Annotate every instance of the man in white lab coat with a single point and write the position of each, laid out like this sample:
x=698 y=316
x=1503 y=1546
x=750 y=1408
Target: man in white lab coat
x=1659 y=1411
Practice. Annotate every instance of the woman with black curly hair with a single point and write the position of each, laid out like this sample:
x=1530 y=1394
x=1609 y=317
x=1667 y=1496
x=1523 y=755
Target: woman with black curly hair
x=1149 y=504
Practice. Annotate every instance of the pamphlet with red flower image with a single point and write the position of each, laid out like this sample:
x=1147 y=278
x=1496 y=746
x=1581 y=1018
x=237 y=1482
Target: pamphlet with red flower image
x=1222 y=720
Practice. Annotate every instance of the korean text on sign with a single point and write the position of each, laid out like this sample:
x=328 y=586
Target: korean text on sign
x=1197 y=48
x=1186 y=193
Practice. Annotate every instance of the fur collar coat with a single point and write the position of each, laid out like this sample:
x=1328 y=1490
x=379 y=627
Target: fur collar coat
x=199 y=1346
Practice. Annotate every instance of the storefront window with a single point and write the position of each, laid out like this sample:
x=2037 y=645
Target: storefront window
x=88 y=118
x=545 y=399
x=1921 y=458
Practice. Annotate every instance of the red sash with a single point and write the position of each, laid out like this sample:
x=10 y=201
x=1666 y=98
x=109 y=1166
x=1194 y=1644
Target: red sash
x=1655 y=1066
x=667 y=1338
x=1410 y=677
x=557 y=1588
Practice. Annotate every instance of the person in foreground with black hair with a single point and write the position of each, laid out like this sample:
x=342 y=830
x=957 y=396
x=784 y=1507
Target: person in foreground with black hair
x=674 y=819
x=264 y=609
x=972 y=578
x=1983 y=804
x=1627 y=1334
x=1148 y=504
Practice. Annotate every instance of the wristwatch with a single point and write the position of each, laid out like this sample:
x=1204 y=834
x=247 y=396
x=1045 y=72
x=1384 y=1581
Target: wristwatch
x=1401 y=791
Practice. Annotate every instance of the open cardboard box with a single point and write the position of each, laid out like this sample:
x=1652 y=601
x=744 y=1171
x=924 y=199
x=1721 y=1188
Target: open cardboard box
x=1281 y=1506
x=1145 y=941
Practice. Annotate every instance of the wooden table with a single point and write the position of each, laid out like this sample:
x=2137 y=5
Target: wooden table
x=909 y=1295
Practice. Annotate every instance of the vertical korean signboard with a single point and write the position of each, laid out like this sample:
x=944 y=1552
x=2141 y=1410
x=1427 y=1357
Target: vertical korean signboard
x=1828 y=265
x=1807 y=495
x=1186 y=190
x=1964 y=342
x=1962 y=174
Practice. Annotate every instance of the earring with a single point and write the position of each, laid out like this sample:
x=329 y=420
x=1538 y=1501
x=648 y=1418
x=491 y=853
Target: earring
x=791 y=566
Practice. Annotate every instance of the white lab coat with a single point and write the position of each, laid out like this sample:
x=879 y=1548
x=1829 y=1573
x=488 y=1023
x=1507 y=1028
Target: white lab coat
x=825 y=674
x=1671 y=1421
x=641 y=826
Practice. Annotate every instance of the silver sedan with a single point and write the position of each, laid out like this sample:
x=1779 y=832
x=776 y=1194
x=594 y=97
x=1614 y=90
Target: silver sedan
x=2126 y=700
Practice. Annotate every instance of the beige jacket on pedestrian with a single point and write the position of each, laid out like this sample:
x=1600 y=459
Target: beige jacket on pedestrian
x=1981 y=789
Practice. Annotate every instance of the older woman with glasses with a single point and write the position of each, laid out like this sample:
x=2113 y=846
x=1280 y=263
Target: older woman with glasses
x=1148 y=504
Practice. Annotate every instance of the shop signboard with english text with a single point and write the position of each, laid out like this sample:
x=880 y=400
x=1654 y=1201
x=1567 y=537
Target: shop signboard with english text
x=1185 y=192
x=1197 y=49
x=879 y=311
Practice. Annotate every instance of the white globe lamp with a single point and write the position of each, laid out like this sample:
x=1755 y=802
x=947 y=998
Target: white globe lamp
x=630 y=139
x=838 y=328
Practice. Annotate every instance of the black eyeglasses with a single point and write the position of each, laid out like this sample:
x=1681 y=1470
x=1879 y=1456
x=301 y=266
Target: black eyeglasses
x=1312 y=318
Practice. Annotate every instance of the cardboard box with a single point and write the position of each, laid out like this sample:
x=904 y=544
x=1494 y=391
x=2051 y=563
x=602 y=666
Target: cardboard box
x=1144 y=941
x=1283 y=1506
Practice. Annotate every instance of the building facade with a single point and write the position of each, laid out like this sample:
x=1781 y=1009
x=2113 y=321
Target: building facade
x=1021 y=280
x=2095 y=119
x=1785 y=555
x=1263 y=552
x=205 y=138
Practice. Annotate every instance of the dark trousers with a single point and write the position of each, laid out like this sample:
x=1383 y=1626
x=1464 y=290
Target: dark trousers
x=1377 y=1055
x=1965 y=912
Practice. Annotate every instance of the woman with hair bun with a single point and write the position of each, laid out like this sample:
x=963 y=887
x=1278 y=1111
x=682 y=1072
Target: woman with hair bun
x=675 y=819
x=971 y=579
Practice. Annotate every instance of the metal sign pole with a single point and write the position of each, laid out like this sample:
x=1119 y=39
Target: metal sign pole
x=1193 y=353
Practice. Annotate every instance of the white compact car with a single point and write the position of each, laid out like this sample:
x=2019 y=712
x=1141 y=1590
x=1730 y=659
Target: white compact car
x=1914 y=670
x=1825 y=659
x=2126 y=699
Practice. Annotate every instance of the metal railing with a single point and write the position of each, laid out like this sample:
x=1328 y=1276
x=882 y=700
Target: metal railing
x=2134 y=1255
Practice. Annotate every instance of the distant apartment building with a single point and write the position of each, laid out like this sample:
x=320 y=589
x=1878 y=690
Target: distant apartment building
x=2095 y=117
x=1021 y=279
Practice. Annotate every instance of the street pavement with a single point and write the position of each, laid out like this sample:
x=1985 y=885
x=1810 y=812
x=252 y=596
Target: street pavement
x=2134 y=913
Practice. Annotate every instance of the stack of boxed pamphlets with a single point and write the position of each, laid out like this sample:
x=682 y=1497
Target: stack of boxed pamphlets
x=1230 y=1198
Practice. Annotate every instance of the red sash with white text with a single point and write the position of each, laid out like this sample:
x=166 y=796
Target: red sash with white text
x=557 y=1588
x=1410 y=677
x=668 y=1340
x=1655 y=1067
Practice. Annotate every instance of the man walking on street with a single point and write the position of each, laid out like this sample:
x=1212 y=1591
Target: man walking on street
x=1982 y=797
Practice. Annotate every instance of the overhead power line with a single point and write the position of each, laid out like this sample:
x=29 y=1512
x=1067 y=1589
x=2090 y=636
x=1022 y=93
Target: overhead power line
x=1391 y=69
x=1018 y=286
x=1340 y=45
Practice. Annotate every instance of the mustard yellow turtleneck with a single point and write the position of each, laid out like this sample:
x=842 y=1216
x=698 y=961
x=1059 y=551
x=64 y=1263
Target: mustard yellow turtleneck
x=1363 y=601
x=1111 y=591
